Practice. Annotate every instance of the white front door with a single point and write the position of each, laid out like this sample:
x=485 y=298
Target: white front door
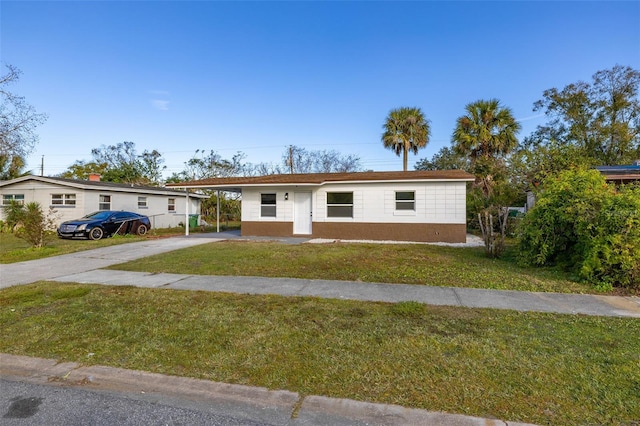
x=302 y=213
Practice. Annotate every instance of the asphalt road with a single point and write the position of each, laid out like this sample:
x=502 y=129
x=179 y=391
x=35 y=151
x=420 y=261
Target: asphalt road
x=24 y=403
x=38 y=391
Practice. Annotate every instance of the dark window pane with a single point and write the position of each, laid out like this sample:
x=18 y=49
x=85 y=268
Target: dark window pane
x=408 y=196
x=340 y=198
x=340 y=211
x=268 y=211
x=405 y=205
x=268 y=198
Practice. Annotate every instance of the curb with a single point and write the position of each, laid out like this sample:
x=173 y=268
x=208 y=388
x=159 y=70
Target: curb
x=259 y=404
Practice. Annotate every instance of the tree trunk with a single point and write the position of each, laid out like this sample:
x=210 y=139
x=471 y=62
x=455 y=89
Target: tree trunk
x=405 y=158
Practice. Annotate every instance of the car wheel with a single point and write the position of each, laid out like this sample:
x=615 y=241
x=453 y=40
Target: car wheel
x=96 y=233
x=142 y=229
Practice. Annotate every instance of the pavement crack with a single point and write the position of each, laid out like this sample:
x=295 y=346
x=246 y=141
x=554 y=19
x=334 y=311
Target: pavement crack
x=297 y=407
x=458 y=299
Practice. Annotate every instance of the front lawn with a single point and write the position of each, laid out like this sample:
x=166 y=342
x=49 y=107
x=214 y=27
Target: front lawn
x=13 y=249
x=529 y=367
x=386 y=263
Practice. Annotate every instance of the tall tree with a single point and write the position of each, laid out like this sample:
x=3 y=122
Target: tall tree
x=18 y=121
x=600 y=119
x=11 y=167
x=83 y=169
x=485 y=134
x=445 y=159
x=406 y=129
x=203 y=166
x=120 y=163
x=487 y=130
x=300 y=160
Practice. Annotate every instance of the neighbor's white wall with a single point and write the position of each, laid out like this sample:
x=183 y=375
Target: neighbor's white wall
x=436 y=202
x=40 y=192
x=87 y=201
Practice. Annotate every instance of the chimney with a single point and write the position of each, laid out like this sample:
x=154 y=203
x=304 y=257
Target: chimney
x=94 y=177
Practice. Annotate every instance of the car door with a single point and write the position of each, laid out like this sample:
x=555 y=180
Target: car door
x=117 y=222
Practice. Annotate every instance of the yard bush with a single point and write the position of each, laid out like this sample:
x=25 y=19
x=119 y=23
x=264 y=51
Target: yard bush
x=30 y=223
x=586 y=225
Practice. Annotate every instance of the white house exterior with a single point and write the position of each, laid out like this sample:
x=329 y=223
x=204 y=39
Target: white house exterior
x=72 y=199
x=427 y=206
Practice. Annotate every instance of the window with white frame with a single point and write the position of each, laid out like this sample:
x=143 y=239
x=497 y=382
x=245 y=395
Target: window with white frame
x=172 y=205
x=405 y=200
x=268 y=205
x=8 y=198
x=142 y=202
x=339 y=204
x=63 y=200
x=105 y=202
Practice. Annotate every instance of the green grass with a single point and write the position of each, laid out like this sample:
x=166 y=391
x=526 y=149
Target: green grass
x=528 y=367
x=13 y=249
x=388 y=263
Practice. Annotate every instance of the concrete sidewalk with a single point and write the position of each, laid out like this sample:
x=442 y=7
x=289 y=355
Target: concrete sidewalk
x=85 y=267
x=350 y=290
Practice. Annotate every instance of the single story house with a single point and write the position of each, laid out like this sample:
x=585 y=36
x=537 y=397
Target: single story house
x=427 y=206
x=72 y=198
x=621 y=174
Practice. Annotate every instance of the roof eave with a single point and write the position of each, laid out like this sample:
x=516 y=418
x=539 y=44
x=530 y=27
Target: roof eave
x=236 y=186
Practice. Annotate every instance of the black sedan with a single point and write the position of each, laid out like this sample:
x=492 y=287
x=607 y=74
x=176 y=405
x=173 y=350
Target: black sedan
x=105 y=224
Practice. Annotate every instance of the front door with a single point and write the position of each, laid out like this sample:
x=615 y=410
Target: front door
x=302 y=213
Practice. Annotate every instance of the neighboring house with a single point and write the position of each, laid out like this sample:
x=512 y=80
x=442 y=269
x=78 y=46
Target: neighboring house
x=621 y=174
x=428 y=206
x=73 y=198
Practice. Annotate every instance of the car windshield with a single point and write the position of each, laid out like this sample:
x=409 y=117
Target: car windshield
x=98 y=215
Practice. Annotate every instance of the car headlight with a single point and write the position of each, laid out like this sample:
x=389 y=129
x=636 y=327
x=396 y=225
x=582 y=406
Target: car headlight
x=81 y=227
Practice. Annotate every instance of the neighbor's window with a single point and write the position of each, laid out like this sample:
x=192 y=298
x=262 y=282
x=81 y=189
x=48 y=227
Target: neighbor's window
x=172 y=205
x=8 y=198
x=142 y=202
x=105 y=202
x=405 y=200
x=339 y=204
x=268 y=205
x=63 y=199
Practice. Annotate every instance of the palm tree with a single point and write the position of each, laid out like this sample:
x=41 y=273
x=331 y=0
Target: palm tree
x=406 y=129
x=487 y=131
x=485 y=135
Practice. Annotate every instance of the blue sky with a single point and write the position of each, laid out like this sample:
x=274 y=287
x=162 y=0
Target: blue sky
x=259 y=76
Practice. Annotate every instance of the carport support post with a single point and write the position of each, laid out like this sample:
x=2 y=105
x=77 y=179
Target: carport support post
x=186 y=213
x=218 y=212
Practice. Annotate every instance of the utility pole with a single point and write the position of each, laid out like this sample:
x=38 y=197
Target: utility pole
x=42 y=166
x=291 y=159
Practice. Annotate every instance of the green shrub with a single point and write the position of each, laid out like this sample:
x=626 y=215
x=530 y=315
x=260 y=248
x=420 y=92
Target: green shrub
x=30 y=223
x=614 y=257
x=586 y=225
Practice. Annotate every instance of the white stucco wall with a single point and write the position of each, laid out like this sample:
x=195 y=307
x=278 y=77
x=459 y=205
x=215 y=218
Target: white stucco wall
x=435 y=202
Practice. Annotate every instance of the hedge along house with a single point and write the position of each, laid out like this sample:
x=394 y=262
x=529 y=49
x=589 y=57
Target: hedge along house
x=72 y=198
x=426 y=206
